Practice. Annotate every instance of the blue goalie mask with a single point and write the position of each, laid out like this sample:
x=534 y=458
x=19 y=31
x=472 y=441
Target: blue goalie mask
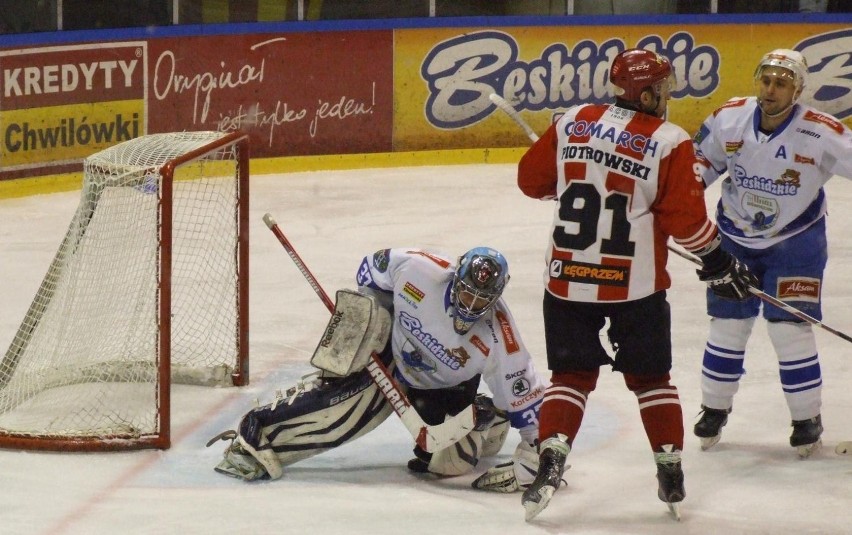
x=481 y=276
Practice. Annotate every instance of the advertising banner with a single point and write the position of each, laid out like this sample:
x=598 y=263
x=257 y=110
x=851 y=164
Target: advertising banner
x=60 y=104
x=295 y=94
x=349 y=92
x=443 y=76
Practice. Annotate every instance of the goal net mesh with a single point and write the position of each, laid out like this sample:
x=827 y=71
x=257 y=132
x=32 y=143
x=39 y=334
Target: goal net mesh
x=86 y=359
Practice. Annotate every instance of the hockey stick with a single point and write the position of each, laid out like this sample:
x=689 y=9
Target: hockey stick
x=501 y=103
x=430 y=438
x=770 y=299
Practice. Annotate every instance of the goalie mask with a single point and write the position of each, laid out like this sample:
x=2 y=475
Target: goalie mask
x=480 y=278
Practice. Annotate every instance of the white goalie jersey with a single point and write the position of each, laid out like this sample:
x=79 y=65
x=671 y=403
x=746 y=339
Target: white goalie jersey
x=428 y=352
x=774 y=187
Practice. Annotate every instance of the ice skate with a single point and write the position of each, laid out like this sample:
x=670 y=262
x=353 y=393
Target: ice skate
x=709 y=427
x=806 y=436
x=670 y=478
x=550 y=467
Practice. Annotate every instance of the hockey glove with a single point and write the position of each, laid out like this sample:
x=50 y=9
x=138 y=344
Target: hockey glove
x=726 y=276
x=514 y=475
x=484 y=411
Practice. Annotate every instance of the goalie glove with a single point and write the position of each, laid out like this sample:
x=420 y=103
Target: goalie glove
x=514 y=475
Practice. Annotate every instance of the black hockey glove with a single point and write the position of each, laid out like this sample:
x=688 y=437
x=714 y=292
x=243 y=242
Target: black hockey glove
x=726 y=276
x=485 y=412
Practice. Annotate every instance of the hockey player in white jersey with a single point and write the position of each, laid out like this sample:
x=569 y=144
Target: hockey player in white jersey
x=450 y=328
x=775 y=154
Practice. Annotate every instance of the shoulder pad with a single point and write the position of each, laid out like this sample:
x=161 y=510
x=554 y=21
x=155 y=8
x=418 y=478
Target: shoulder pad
x=444 y=263
x=733 y=103
x=827 y=120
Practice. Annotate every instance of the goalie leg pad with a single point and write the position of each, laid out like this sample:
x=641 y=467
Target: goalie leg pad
x=304 y=421
x=357 y=328
x=460 y=458
x=495 y=438
x=244 y=462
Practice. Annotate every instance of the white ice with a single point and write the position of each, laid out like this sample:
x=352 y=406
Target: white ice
x=751 y=482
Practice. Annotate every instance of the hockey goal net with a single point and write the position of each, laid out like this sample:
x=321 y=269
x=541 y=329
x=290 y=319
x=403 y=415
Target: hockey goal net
x=149 y=287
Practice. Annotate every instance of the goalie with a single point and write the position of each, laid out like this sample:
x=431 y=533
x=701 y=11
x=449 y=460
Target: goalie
x=440 y=328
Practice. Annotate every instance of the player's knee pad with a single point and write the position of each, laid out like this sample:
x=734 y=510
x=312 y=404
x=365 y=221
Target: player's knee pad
x=583 y=381
x=792 y=340
x=730 y=333
x=643 y=383
x=310 y=418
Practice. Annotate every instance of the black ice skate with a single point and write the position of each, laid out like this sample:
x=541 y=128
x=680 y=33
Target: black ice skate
x=670 y=479
x=709 y=427
x=551 y=465
x=806 y=436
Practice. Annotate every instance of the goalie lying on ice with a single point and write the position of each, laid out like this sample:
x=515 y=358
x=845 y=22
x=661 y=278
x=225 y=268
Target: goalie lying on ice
x=440 y=328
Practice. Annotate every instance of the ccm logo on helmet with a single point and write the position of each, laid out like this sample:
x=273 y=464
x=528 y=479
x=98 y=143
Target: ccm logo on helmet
x=641 y=67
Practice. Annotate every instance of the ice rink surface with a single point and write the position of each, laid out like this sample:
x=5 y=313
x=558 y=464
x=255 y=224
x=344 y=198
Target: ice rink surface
x=751 y=482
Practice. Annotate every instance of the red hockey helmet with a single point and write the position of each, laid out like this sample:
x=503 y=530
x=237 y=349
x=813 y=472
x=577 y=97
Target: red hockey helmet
x=635 y=70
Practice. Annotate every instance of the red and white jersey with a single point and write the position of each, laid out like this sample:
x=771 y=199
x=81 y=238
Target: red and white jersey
x=774 y=187
x=624 y=182
x=429 y=354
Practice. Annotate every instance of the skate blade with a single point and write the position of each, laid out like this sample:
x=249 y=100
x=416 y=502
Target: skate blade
x=532 y=509
x=844 y=448
x=709 y=442
x=674 y=510
x=807 y=450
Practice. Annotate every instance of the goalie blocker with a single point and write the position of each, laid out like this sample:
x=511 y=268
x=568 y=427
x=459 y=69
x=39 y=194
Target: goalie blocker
x=341 y=402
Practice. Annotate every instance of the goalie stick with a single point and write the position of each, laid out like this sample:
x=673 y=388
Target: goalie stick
x=431 y=438
x=771 y=299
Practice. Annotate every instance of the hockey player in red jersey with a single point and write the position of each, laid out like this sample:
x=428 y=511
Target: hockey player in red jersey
x=625 y=180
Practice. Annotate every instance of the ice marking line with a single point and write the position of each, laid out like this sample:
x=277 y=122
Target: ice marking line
x=150 y=457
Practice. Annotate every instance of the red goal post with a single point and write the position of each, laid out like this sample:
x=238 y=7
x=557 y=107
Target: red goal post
x=148 y=288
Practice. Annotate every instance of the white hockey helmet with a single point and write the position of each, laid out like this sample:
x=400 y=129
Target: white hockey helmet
x=791 y=60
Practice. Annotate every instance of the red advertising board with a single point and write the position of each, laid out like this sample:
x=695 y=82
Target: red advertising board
x=295 y=93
